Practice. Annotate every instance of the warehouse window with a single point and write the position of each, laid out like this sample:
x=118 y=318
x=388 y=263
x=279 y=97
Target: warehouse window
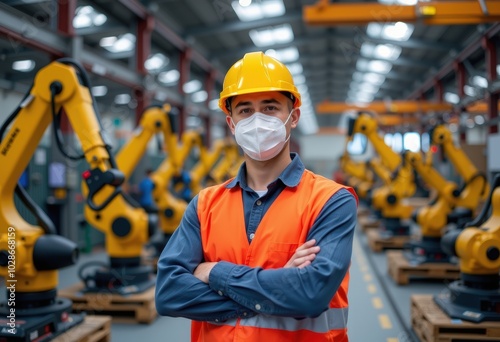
x=397 y=142
x=426 y=142
x=411 y=141
x=247 y=10
x=357 y=145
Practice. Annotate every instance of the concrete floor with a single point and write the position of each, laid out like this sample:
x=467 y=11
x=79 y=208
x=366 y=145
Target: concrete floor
x=379 y=308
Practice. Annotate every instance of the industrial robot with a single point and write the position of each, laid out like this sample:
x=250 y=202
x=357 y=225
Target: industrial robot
x=359 y=176
x=451 y=204
x=30 y=255
x=387 y=200
x=170 y=207
x=476 y=295
x=221 y=171
x=233 y=171
x=126 y=236
x=207 y=162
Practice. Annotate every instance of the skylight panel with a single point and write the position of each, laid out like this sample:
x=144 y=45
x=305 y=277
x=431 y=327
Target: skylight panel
x=258 y=10
x=270 y=36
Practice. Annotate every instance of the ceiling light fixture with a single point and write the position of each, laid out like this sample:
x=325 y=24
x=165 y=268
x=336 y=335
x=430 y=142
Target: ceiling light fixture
x=99 y=90
x=25 y=65
x=123 y=43
x=286 y=55
x=122 y=99
x=255 y=11
x=281 y=34
x=156 y=62
x=191 y=86
x=169 y=77
x=199 y=96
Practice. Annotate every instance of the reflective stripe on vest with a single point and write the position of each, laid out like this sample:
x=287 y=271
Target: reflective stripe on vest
x=331 y=319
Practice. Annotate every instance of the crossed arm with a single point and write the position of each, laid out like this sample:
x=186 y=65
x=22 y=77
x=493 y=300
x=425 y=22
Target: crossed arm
x=302 y=257
x=188 y=287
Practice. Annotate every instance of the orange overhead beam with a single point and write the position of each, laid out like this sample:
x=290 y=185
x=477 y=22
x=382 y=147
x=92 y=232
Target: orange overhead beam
x=394 y=120
x=383 y=120
x=399 y=106
x=430 y=13
x=478 y=108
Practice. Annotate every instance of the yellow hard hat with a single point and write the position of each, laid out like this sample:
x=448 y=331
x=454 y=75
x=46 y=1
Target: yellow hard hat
x=255 y=73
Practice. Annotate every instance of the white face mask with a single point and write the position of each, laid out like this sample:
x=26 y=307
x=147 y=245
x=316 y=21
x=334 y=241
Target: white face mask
x=261 y=136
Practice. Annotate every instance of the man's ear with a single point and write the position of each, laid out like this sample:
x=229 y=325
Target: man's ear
x=230 y=123
x=295 y=117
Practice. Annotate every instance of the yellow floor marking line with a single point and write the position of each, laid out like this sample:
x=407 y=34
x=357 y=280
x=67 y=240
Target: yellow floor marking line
x=377 y=303
x=385 y=322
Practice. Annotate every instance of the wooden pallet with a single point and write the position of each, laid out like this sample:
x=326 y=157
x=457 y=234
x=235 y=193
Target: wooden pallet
x=363 y=211
x=378 y=243
x=416 y=202
x=139 y=308
x=368 y=222
x=431 y=324
x=92 y=329
x=401 y=270
x=149 y=259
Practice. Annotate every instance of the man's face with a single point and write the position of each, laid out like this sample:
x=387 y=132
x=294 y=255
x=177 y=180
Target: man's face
x=271 y=103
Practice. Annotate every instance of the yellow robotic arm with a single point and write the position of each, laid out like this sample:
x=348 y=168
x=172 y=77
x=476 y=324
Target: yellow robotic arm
x=124 y=244
x=475 y=184
x=204 y=165
x=375 y=164
x=366 y=124
x=476 y=296
x=452 y=205
x=154 y=120
x=171 y=208
x=233 y=172
x=221 y=171
x=31 y=254
x=387 y=200
x=432 y=218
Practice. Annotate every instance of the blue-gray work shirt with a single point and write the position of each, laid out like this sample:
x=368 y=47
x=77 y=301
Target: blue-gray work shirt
x=236 y=290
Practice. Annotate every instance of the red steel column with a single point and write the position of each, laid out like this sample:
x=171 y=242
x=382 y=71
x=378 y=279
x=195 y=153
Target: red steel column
x=65 y=14
x=145 y=27
x=184 y=70
x=209 y=88
x=460 y=80
x=491 y=73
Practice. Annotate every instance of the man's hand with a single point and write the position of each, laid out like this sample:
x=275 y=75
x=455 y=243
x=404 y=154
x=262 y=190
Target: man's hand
x=303 y=255
x=203 y=271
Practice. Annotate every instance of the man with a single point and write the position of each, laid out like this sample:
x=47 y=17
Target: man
x=146 y=187
x=264 y=256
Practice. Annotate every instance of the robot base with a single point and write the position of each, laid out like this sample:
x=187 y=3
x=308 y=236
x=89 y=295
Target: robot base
x=40 y=323
x=470 y=304
x=426 y=250
x=394 y=227
x=123 y=281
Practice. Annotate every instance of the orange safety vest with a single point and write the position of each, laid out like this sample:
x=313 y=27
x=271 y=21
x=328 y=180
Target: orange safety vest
x=283 y=228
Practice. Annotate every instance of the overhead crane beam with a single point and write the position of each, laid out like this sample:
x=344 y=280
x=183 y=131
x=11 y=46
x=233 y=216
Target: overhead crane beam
x=463 y=12
x=399 y=106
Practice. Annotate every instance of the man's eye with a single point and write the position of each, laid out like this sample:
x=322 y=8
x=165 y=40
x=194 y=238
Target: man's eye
x=245 y=111
x=271 y=108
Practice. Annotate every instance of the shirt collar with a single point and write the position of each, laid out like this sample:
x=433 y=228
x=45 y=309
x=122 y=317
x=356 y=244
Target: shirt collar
x=290 y=176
